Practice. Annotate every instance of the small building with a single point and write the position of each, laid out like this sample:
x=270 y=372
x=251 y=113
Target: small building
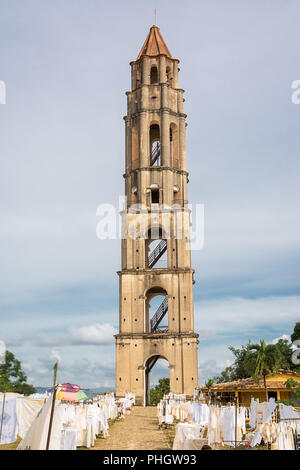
x=245 y=389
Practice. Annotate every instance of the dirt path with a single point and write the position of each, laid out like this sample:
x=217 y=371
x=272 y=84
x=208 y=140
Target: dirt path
x=137 y=431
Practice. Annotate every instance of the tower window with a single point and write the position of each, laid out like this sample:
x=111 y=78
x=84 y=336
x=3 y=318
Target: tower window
x=169 y=75
x=155 y=196
x=153 y=75
x=156 y=310
x=154 y=145
x=174 y=155
x=156 y=247
x=171 y=146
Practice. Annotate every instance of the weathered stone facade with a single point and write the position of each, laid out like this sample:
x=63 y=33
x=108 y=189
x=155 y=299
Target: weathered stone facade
x=155 y=178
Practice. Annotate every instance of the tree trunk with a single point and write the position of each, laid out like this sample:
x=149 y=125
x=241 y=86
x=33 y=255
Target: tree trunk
x=265 y=385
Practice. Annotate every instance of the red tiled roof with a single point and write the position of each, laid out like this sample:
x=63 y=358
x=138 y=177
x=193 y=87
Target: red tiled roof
x=154 y=44
x=249 y=384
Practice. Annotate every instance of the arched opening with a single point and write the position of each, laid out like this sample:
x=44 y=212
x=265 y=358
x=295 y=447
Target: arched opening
x=156 y=249
x=138 y=77
x=154 y=145
x=174 y=146
x=155 y=196
x=135 y=147
x=152 y=377
x=176 y=195
x=157 y=254
x=154 y=75
x=156 y=310
x=171 y=146
x=169 y=75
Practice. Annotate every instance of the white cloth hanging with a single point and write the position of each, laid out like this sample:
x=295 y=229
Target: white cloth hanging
x=9 y=423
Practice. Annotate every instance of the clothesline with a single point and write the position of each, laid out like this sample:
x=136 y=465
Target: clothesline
x=277 y=424
x=74 y=424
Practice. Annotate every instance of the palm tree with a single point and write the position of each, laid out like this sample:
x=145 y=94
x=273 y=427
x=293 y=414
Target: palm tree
x=208 y=385
x=267 y=361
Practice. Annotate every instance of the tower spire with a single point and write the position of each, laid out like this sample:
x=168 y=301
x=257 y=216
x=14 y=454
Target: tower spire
x=154 y=45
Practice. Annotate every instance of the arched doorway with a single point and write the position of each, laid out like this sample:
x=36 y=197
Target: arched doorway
x=162 y=370
x=154 y=145
x=156 y=310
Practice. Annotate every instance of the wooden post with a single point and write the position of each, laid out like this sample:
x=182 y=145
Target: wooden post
x=52 y=406
x=237 y=398
x=51 y=418
x=235 y=430
x=2 y=416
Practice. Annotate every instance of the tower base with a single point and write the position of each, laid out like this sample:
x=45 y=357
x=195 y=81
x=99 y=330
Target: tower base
x=137 y=354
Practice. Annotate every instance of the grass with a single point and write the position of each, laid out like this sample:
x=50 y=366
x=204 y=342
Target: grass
x=111 y=423
x=170 y=431
x=12 y=446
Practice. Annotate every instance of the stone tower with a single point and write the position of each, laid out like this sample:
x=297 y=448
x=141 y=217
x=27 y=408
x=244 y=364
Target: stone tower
x=156 y=259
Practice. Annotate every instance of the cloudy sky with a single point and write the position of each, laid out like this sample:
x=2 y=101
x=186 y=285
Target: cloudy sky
x=66 y=68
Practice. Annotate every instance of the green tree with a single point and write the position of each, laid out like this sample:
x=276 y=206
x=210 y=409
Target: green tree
x=157 y=393
x=267 y=361
x=209 y=383
x=245 y=362
x=294 y=386
x=12 y=377
x=296 y=334
x=285 y=351
x=226 y=375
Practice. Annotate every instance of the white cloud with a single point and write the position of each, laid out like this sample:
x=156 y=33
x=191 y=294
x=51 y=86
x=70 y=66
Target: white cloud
x=235 y=315
x=27 y=367
x=286 y=337
x=210 y=368
x=93 y=334
x=233 y=321
x=55 y=355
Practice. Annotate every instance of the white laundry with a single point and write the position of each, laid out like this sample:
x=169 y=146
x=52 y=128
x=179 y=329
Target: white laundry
x=69 y=439
x=267 y=410
x=9 y=423
x=37 y=434
x=27 y=410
